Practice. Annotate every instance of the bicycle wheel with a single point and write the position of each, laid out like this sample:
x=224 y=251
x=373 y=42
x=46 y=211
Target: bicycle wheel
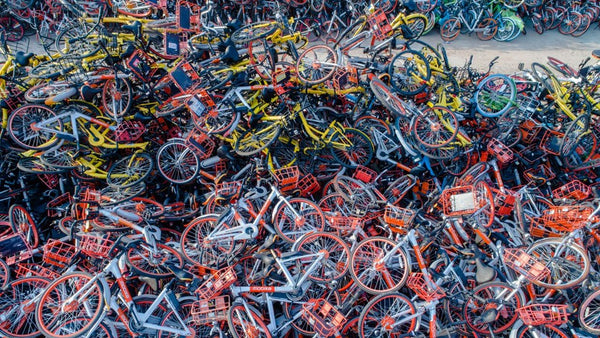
x=22 y=222
x=186 y=307
x=450 y=29
x=388 y=99
x=545 y=330
x=149 y=262
x=22 y=130
x=589 y=313
x=410 y=72
x=177 y=162
x=353 y=35
x=34 y=165
x=538 y=24
x=58 y=307
x=495 y=95
x=388 y=315
x=316 y=64
x=246 y=323
x=414 y=26
x=569 y=264
x=63 y=157
x=334 y=265
x=506 y=29
x=44 y=91
x=584 y=25
x=74 y=42
x=352 y=149
x=215 y=77
x=297 y=217
x=488 y=309
x=130 y=170
x=357 y=196
x=570 y=23
x=17 y=301
x=255 y=140
x=373 y=274
x=199 y=251
x=262 y=58
x=117 y=97
x=4 y=275
x=329 y=32
x=573 y=134
x=435 y=127
x=254 y=31
x=487 y=28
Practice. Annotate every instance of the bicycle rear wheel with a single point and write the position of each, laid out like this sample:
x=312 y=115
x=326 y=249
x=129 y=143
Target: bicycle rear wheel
x=435 y=127
x=589 y=313
x=337 y=255
x=357 y=148
x=388 y=99
x=410 y=72
x=21 y=127
x=22 y=222
x=201 y=252
x=253 y=31
x=385 y=316
x=316 y=64
x=482 y=310
x=56 y=310
x=450 y=29
x=246 y=323
x=153 y=263
x=297 y=217
x=117 y=97
x=495 y=95
x=17 y=303
x=177 y=162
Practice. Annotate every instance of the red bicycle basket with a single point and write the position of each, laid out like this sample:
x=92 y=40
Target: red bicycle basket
x=426 y=291
x=323 y=317
x=215 y=284
x=543 y=314
x=206 y=311
x=525 y=264
x=576 y=190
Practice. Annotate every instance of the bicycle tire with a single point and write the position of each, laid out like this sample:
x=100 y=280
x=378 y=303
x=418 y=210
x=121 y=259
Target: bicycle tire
x=357 y=195
x=297 y=217
x=368 y=272
x=351 y=36
x=488 y=28
x=63 y=157
x=117 y=97
x=410 y=72
x=381 y=310
x=316 y=64
x=242 y=326
x=337 y=258
x=4 y=275
x=436 y=127
x=538 y=24
x=46 y=91
x=359 y=150
x=506 y=29
x=546 y=77
x=257 y=139
x=570 y=23
x=329 y=32
x=199 y=252
x=584 y=25
x=414 y=26
x=73 y=42
x=154 y=263
x=588 y=313
x=22 y=222
x=16 y=298
x=253 y=31
x=130 y=170
x=262 y=58
x=567 y=270
x=481 y=303
x=50 y=320
x=450 y=29
x=388 y=99
x=24 y=135
x=176 y=162
x=576 y=129
x=495 y=94
x=35 y=166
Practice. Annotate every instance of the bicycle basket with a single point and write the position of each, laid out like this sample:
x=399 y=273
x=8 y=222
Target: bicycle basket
x=364 y=174
x=539 y=173
x=503 y=153
x=344 y=224
x=184 y=76
x=426 y=291
x=58 y=253
x=206 y=311
x=11 y=97
x=36 y=270
x=345 y=76
x=200 y=103
x=465 y=200
x=59 y=205
x=576 y=190
x=228 y=191
x=129 y=131
x=529 y=130
x=215 y=284
x=551 y=142
x=398 y=218
x=542 y=314
x=379 y=24
x=566 y=218
x=504 y=202
x=141 y=64
x=308 y=185
x=323 y=317
x=201 y=143
x=525 y=264
x=49 y=180
x=287 y=178
x=95 y=245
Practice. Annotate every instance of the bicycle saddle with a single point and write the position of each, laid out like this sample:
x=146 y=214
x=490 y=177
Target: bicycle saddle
x=134 y=28
x=231 y=55
x=484 y=273
x=88 y=92
x=22 y=58
x=180 y=273
x=596 y=53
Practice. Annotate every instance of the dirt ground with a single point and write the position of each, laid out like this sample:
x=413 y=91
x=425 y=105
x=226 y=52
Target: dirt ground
x=528 y=48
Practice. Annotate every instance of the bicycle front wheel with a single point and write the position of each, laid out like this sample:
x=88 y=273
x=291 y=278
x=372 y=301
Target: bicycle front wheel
x=61 y=315
x=489 y=309
x=246 y=323
x=386 y=316
x=316 y=64
x=334 y=264
x=410 y=72
x=177 y=162
x=297 y=217
x=589 y=313
x=569 y=264
x=372 y=273
x=18 y=305
x=22 y=127
x=130 y=170
x=147 y=261
x=435 y=127
x=254 y=31
x=545 y=330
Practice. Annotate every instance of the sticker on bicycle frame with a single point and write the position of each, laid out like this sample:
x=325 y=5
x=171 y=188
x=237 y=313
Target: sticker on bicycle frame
x=172 y=46
x=196 y=106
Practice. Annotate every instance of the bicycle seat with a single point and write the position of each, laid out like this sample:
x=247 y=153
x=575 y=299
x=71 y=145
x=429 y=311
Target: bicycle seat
x=180 y=273
x=484 y=273
x=23 y=59
x=88 y=92
x=596 y=53
x=231 y=55
x=128 y=52
x=134 y=28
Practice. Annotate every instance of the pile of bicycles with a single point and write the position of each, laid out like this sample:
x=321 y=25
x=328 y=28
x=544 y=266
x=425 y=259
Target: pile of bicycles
x=165 y=174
